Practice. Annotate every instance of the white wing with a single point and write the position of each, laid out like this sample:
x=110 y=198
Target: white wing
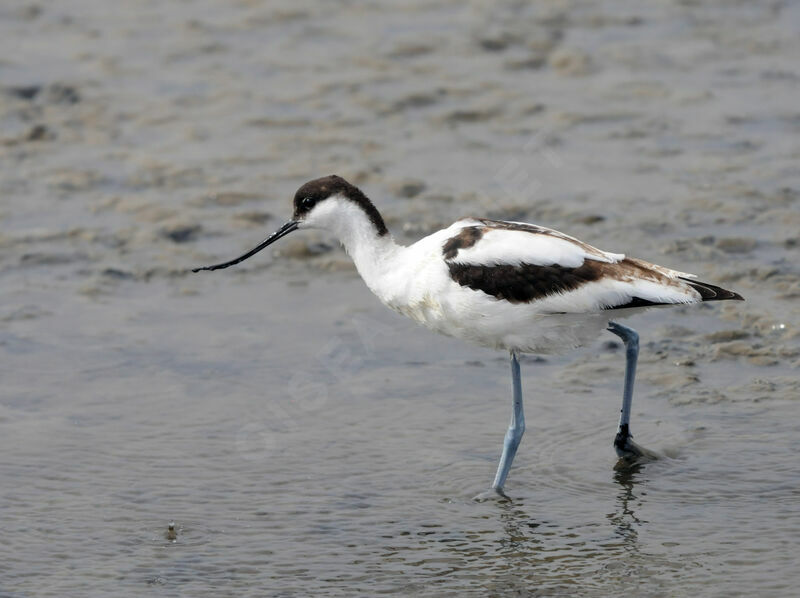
x=496 y=243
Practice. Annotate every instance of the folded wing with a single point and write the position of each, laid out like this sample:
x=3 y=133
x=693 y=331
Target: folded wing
x=524 y=263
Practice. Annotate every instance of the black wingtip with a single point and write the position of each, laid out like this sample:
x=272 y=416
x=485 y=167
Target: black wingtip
x=710 y=292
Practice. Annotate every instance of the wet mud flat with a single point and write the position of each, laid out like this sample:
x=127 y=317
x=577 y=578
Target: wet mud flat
x=301 y=437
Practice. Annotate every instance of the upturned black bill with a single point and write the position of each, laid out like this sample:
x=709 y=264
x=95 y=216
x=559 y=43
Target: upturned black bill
x=281 y=232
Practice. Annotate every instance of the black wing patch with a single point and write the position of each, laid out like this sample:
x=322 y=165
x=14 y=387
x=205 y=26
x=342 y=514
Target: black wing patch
x=464 y=239
x=523 y=283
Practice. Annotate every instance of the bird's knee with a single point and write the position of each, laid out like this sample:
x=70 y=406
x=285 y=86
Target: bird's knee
x=514 y=433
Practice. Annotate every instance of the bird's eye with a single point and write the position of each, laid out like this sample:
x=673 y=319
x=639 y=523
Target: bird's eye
x=307 y=202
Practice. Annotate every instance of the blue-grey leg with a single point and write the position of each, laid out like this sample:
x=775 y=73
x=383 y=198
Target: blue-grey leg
x=515 y=429
x=623 y=442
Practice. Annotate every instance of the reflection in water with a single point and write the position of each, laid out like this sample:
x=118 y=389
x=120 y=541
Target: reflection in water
x=512 y=549
x=627 y=475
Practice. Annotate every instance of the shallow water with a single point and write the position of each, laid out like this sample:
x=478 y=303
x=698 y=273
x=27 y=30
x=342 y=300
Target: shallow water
x=303 y=438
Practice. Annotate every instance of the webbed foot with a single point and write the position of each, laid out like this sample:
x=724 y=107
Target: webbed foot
x=628 y=450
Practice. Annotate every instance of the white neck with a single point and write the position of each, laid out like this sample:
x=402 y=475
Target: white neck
x=372 y=253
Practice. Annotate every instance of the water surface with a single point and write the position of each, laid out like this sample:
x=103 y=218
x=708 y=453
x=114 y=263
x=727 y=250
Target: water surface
x=304 y=439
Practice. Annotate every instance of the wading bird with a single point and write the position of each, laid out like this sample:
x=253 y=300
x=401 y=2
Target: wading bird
x=519 y=287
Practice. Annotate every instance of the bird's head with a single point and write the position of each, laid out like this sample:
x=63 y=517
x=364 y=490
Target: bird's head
x=328 y=203
x=331 y=203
